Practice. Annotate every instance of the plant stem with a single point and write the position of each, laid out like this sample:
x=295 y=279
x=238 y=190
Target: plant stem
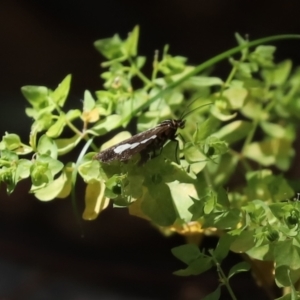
x=155 y=66
x=146 y=81
x=252 y=132
x=222 y=276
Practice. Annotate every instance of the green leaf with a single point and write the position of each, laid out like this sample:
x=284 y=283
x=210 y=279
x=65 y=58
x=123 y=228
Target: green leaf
x=197 y=262
x=243 y=242
x=270 y=152
x=54 y=165
x=113 y=187
x=206 y=128
x=73 y=114
x=290 y=261
x=279 y=209
x=263 y=55
x=157 y=204
x=131 y=43
x=60 y=94
x=213 y=147
x=181 y=195
x=194 y=157
x=242 y=41
x=7 y=176
x=42 y=122
x=223 y=220
x=88 y=101
x=200 y=81
x=234 y=131
x=263 y=251
x=210 y=204
x=253 y=110
x=35 y=95
x=273 y=130
x=46 y=146
x=265 y=186
x=140 y=61
x=196 y=268
x=172 y=65
x=64 y=146
x=186 y=253
x=8 y=156
x=90 y=171
x=279 y=74
x=23 y=169
x=56 y=129
x=60 y=187
x=238 y=268
x=236 y=96
x=40 y=175
x=95 y=201
x=223 y=247
x=12 y=142
x=105 y=125
x=295 y=295
x=67 y=176
x=110 y=48
x=222 y=168
x=244 y=69
x=215 y=295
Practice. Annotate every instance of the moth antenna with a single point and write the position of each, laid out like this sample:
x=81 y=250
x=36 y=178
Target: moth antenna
x=189 y=112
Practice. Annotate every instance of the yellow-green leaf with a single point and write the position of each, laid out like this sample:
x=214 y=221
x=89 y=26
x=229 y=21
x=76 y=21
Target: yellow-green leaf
x=95 y=201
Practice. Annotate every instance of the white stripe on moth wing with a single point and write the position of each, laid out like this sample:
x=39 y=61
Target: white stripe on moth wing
x=150 y=138
x=124 y=147
x=134 y=145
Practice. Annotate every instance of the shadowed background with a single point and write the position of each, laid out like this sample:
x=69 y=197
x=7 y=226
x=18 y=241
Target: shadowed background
x=42 y=253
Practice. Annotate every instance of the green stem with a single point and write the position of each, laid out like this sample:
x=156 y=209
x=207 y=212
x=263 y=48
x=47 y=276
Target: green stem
x=234 y=70
x=229 y=78
x=252 y=132
x=207 y=177
x=226 y=282
x=70 y=125
x=208 y=64
x=223 y=277
x=74 y=178
x=75 y=130
x=155 y=66
x=146 y=81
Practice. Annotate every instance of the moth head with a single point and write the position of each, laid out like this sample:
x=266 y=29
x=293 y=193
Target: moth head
x=179 y=123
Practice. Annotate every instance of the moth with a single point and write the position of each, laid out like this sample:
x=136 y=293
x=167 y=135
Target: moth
x=146 y=143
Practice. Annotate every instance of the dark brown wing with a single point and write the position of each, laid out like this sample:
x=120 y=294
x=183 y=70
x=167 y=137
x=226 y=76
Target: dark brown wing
x=144 y=143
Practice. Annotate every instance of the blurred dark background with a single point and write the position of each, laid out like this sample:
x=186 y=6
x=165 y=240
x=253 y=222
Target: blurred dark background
x=42 y=253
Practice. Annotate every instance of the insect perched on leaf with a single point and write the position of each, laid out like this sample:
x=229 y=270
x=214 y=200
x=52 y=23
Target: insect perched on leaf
x=146 y=143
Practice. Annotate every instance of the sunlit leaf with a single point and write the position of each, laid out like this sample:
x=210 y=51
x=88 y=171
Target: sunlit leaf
x=53 y=189
x=240 y=267
x=105 y=125
x=56 y=129
x=60 y=94
x=234 y=131
x=35 y=95
x=47 y=146
x=95 y=201
x=66 y=145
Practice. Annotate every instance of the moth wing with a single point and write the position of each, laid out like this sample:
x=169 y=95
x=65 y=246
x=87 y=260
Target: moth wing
x=131 y=146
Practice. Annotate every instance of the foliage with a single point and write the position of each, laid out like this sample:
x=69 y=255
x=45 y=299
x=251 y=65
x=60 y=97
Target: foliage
x=245 y=136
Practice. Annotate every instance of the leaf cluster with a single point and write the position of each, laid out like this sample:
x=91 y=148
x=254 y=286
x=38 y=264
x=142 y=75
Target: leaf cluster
x=228 y=174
